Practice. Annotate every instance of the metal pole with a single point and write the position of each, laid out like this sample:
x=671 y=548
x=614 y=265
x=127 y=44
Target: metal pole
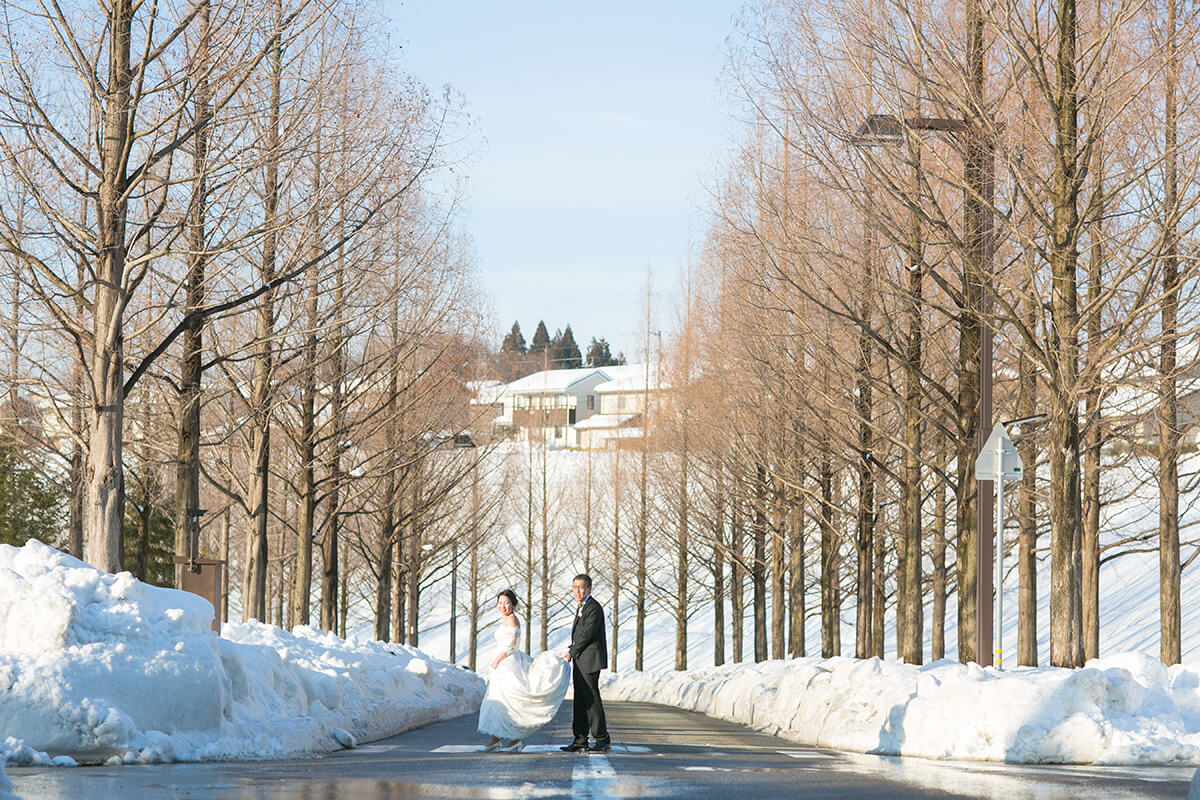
x=981 y=148
x=453 y=601
x=999 y=622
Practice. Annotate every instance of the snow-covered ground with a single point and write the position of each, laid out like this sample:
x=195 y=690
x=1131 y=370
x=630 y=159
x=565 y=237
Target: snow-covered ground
x=102 y=668
x=1125 y=709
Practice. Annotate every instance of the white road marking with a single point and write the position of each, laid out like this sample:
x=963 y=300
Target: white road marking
x=535 y=748
x=593 y=779
x=804 y=754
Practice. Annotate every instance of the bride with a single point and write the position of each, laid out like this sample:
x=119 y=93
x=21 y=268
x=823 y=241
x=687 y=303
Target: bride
x=523 y=693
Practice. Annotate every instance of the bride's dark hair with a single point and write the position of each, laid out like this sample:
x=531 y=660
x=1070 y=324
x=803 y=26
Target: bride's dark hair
x=512 y=598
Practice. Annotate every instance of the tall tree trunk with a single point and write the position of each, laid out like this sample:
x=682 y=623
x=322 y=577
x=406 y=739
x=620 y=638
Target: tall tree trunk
x=587 y=518
x=414 y=567
x=187 y=466
x=643 y=531
x=616 y=573
x=879 y=603
x=399 y=590
x=718 y=569
x=829 y=563
x=254 y=589
x=331 y=543
x=911 y=632
x=105 y=506
x=1027 y=599
x=970 y=356
x=383 y=581
x=306 y=534
x=937 y=649
x=78 y=459
x=796 y=586
x=476 y=540
x=778 y=572
x=866 y=478
x=758 y=567
x=681 y=566
x=1170 y=638
x=1093 y=428
x=737 y=607
x=529 y=538
x=1066 y=624
x=544 y=615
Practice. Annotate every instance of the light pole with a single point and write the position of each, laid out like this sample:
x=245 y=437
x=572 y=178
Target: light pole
x=888 y=130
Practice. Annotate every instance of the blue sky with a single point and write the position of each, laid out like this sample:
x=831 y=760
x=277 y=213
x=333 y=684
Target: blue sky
x=599 y=128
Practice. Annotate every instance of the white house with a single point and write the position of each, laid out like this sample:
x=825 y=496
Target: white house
x=583 y=408
x=550 y=403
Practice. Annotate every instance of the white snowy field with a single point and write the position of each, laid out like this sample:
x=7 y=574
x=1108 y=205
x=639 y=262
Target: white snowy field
x=102 y=668
x=1124 y=708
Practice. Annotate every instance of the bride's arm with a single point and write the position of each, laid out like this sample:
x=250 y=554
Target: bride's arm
x=512 y=645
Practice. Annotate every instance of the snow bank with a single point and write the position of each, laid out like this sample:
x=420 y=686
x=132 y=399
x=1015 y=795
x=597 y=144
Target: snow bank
x=1125 y=709
x=5 y=785
x=100 y=667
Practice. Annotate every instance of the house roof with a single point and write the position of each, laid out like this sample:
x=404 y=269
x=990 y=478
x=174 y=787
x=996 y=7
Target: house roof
x=486 y=392
x=553 y=380
x=629 y=379
x=602 y=421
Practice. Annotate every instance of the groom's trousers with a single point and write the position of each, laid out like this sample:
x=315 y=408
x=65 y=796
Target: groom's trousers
x=588 y=708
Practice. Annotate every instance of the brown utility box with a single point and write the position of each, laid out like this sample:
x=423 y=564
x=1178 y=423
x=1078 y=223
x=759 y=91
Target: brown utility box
x=207 y=583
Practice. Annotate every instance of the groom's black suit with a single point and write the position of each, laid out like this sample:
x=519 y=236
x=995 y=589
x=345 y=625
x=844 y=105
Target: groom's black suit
x=589 y=655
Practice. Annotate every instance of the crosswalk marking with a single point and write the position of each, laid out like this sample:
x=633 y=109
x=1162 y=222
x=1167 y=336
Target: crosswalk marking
x=538 y=748
x=804 y=754
x=594 y=778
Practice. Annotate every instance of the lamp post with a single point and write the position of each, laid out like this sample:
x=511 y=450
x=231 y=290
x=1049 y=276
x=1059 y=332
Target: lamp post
x=888 y=130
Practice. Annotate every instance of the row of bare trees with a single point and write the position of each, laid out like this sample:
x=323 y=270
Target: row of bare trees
x=926 y=194
x=236 y=273
x=919 y=180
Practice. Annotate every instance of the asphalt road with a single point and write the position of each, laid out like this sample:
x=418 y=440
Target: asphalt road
x=658 y=752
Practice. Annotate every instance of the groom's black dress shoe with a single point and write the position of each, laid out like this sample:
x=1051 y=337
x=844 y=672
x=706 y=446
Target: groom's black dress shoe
x=574 y=747
x=600 y=747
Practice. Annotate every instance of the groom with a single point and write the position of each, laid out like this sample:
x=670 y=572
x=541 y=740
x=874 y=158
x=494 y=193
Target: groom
x=588 y=655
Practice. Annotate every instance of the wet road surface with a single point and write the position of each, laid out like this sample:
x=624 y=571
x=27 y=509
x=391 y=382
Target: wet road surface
x=658 y=752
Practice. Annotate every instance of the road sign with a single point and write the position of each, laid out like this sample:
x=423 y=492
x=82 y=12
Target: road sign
x=999 y=459
x=998 y=462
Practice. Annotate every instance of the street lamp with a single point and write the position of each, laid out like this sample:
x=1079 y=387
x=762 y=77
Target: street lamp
x=887 y=130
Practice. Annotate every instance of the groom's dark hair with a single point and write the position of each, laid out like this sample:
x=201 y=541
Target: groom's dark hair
x=585 y=578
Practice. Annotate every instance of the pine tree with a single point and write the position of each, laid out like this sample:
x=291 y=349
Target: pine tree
x=566 y=355
x=599 y=354
x=514 y=342
x=541 y=341
x=30 y=506
x=149 y=528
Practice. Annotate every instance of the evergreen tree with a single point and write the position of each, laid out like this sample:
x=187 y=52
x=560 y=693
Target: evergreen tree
x=30 y=505
x=599 y=354
x=568 y=355
x=514 y=342
x=541 y=341
x=149 y=540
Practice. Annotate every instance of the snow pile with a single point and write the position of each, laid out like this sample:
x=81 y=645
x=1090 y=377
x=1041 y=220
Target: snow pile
x=5 y=784
x=1124 y=709
x=100 y=667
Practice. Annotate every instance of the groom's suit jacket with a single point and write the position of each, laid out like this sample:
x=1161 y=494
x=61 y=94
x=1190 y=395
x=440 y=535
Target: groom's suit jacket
x=589 y=644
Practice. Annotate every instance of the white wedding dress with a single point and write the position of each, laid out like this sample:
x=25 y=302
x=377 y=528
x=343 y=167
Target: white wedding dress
x=523 y=693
